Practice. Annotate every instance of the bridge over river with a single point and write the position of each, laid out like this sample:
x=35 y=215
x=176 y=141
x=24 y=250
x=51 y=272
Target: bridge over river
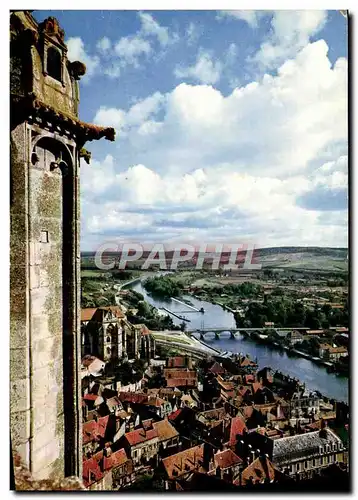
x=233 y=331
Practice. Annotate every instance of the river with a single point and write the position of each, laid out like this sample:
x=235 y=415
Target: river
x=314 y=376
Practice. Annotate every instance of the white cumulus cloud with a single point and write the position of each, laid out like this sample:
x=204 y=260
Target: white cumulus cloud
x=267 y=162
x=130 y=48
x=205 y=69
x=77 y=52
x=251 y=17
x=291 y=31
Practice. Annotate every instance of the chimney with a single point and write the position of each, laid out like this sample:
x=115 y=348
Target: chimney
x=323 y=430
x=207 y=455
x=278 y=410
x=85 y=412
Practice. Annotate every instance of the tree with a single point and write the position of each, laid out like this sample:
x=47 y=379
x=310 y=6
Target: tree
x=144 y=309
x=183 y=326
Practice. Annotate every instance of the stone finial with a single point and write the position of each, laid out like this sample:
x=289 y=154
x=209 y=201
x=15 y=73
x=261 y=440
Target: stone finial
x=51 y=27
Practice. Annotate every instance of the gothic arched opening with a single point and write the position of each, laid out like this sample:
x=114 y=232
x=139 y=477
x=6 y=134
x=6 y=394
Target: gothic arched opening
x=54 y=157
x=54 y=63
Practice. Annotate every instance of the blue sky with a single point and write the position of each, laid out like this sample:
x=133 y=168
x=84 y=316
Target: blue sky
x=231 y=126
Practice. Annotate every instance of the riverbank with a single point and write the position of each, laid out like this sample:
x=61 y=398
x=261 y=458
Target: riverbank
x=292 y=351
x=312 y=374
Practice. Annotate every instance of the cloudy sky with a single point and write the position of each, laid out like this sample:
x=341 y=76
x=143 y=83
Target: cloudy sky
x=231 y=126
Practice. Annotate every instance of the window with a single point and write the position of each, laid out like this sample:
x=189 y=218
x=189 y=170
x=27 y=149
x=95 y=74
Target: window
x=108 y=350
x=108 y=339
x=44 y=237
x=298 y=467
x=321 y=461
x=54 y=63
x=306 y=464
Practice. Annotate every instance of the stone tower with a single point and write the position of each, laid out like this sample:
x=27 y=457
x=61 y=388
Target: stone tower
x=47 y=140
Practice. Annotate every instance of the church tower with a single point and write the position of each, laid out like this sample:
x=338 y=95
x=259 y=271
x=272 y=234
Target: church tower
x=47 y=140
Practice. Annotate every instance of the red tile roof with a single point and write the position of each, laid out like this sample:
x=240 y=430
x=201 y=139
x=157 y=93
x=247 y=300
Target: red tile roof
x=243 y=389
x=184 y=462
x=256 y=386
x=217 y=368
x=115 y=459
x=93 y=431
x=249 y=379
x=87 y=313
x=89 y=432
x=147 y=424
x=179 y=373
x=116 y=310
x=133 y=397
x=165 y=430
x=175 y=414
x=337 y=350
x=102 y=426
x=225 y=459
x=237 y=427
x=140 y=436
x=91 y=472
x=247 y=411
x=145 y=330
x=181 y=382
x=258 y=471
x=227 y=385
x=98 y=456
x=91 y=397
x=155 y=401
x=176 y=362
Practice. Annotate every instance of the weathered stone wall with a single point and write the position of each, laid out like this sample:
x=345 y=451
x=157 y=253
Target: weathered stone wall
x=45 y=344
x=45 y=261
x=37 y=422
x=20 y=404
x=24 y=481
x=45 y=310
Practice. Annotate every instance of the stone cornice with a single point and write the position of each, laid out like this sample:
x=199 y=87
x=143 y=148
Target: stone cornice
x=29 y=107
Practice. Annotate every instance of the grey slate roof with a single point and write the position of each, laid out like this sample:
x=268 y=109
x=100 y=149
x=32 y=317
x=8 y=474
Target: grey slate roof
x=300 y=446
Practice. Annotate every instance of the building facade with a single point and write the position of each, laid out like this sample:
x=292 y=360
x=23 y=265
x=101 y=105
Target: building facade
x=304 y=455
x=102 y=333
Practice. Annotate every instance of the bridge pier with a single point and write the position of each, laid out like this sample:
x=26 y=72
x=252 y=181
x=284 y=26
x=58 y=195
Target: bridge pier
x=217 y=335
x=232 y=335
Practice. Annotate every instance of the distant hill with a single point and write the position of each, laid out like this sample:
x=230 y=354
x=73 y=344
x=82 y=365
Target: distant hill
x=310 y=258
x=332 y=251
x=300 y=258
